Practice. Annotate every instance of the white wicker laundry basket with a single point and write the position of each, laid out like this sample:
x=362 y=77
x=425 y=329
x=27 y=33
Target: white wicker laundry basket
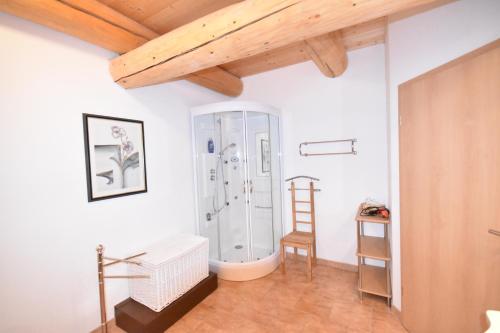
x=174 y=265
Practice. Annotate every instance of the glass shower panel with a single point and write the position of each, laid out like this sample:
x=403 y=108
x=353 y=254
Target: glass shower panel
x=260 y=184
x=276 y=183
x=206 y=138
x=231 y=209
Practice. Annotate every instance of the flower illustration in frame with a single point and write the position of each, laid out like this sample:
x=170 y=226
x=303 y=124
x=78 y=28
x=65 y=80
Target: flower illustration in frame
x=115 y=156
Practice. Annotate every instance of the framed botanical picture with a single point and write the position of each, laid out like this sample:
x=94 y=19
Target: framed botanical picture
x=115 y=156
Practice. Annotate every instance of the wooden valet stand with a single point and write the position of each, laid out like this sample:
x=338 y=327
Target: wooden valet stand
x=305 y=240
x=100 y=275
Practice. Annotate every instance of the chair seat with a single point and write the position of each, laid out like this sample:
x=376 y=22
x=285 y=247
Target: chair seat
x=300 y=237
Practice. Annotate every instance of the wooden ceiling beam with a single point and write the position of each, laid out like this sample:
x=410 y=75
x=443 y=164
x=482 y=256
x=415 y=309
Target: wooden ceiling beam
x=283 y=56
x=328 y=53
x=103 y=26
x=353 y=37
x=218 y=79
x=365 y=34
x=107 y=14
x=243 y=30
x=59 y=16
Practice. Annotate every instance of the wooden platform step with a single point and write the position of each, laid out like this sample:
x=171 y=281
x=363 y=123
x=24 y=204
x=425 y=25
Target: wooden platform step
x=134 y=317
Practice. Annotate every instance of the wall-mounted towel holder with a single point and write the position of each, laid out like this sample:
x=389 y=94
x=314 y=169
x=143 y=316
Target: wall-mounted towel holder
x=352 y=152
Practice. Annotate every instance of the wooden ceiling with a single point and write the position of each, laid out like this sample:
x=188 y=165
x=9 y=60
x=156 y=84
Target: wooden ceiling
x=214 y=43
x=163 y=16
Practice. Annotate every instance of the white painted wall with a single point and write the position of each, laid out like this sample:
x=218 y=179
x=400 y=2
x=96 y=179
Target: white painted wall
x=48 y=230
x=317 y=108
x=416 y=45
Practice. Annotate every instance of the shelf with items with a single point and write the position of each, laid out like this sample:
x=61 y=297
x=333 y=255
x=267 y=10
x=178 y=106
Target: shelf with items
x=373 y=279
x=371 y=219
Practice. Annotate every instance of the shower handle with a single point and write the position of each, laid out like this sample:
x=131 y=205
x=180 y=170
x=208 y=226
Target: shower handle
x=245 y=187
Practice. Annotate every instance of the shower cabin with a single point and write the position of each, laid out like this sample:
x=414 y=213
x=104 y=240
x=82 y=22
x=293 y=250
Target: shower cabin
x=238 y=180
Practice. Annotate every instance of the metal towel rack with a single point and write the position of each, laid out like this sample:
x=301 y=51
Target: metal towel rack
x=352 y=152
x=100 y=274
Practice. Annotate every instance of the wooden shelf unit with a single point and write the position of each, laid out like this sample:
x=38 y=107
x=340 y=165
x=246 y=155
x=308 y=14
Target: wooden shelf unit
x=373 y=279
x=374 y=248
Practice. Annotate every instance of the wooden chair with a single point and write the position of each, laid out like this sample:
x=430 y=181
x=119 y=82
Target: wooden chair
x=301 y=239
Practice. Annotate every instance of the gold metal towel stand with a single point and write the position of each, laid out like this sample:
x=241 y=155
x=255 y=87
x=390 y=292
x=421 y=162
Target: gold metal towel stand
x=101 y=277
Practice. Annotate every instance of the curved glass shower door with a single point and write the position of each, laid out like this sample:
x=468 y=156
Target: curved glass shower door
x=221 y=175
x=263 y=167
x=238 y=184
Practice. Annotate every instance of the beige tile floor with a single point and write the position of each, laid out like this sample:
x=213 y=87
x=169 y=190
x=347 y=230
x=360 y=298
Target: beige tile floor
x=289 y=303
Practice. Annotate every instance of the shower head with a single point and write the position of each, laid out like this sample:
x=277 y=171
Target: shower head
x=231 y=145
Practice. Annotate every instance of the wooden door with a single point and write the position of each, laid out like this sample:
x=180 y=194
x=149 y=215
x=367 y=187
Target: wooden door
x=450 y=197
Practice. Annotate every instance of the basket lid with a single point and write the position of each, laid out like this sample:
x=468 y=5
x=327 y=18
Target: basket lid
x=171 y=248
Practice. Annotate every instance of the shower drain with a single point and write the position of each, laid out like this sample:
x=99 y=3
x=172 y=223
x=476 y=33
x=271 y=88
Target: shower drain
x=238 y=247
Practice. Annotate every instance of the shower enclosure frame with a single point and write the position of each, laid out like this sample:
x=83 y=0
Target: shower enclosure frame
x=252 y=269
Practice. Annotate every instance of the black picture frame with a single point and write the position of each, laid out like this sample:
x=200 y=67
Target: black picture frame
x=90 y=172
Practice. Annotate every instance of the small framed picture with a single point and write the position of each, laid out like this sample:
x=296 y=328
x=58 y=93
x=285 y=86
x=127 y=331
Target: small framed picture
x=114 y=156
x=263 y=152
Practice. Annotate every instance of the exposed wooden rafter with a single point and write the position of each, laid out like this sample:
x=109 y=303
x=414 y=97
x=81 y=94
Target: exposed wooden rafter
x=96 y=23
x=243 y=30
x=365 y=34
x=217 y=79
x=354 y=37
x=107 y=14
x=283 y=56
x=59 y=16
x=328 y=53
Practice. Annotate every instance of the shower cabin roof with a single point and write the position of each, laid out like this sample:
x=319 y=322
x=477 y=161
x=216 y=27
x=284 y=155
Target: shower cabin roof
x=232 y=106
